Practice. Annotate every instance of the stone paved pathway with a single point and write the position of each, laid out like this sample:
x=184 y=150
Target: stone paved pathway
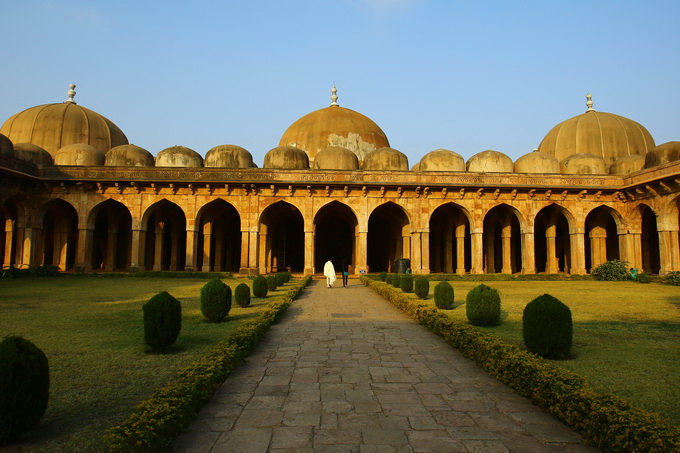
x=345 y=371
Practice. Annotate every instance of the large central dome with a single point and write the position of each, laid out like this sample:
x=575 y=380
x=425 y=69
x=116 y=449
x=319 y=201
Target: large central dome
x=335 y=126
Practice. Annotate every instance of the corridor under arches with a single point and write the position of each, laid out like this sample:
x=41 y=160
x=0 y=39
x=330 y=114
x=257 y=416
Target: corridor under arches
x=388 y=237
x=335 y=236
x=282 y=238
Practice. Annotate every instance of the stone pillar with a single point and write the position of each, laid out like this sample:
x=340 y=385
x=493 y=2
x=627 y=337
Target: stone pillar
x=551 y=265
x=598 y=247
x=245 y=248
x=136 y=249
x=252 y=251
x=406 y=247
x=460 y=255
x=28 y=248
x=264 y=264
x=362 y=249
x=425 y=252
x=9 y=239
x=477 y=243
x=83 y=251
x=158 y=250
x=578 y=254
x=669 y=252
x=207 y=233
x=416 y=253
x=529 y=253
x=309 y=253
x=190 y=257
x=506 y=237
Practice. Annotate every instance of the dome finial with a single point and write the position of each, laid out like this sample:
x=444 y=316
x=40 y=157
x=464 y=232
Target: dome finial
x=589 y=103
x=71 y=93
x=334 y=96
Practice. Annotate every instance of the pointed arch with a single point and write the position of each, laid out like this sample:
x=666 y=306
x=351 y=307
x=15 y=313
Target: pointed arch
x=111 y=240
x=335 y=236
x=11 y=226
x=552 y=244
x=502 y=240
x=602 y=236
x=218 y=244
x=282 y=238
x=58 y=223
x=388 y=237
x=164 y=237
x=450 y=239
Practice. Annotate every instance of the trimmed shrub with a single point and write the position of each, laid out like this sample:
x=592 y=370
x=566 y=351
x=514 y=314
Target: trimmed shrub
x=547 y=327
x=483 y=306
x=612 y=271
x=396 y=280
x=242 y=295
x=280 y=279
x=672 y=278
x=443 y=295
x=643 y=278
x=406 y=283
x=260 y=287
x=422 y=287
x=388 y=279
x=162 y=320
x=271 y=282
x=215 y=300
x=24 y=387
x=382 y=276
x=286 y=276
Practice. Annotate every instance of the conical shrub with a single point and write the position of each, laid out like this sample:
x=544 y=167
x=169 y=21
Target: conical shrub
x=547 y=327
x=215 y=300
x=483 y=306
x=406 y=283
x=422 y=287
x=162 y=320
x=444 y=295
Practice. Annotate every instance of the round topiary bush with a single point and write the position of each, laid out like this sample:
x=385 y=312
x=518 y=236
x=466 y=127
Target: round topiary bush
x=406 y=283
x=388 y=279
x=382 y=276
x=271 y=282
x=612 y=271
x=260 y=288
x=280 y=279
x=443 y=295
x=547 y=327
x=242 y=295
x=24 y=387
x=215 y=300
x=162 y=320
x=422 y=287
x=483 y=306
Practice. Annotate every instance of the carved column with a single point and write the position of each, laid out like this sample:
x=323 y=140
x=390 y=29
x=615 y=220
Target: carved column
x=362 y=248
x=477 y=239
x=578 y=254
x=309 y=253
x=669 y=252
x=551 y=265
x=138 y=242
x=529 y=252
x=207 y=233
x=191 y=247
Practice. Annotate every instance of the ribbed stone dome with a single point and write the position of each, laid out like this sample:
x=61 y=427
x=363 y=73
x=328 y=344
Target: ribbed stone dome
x=6 y=146
x=336 y=158
x=386 y=159
x=286 y=157
x=335 y=126
x=627 y=164
x=179 y=156
x=79 y=154
x=53 y=126
x=441 y=160
x=129 y=156
x=33 y=153
x=583 y=164
x=664 y=153
x=537 y=162
x=606 y=135
x=490 y=161
x=229 y=156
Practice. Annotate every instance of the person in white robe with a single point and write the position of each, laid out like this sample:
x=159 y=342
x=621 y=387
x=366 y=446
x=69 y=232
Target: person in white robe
x=329 y=272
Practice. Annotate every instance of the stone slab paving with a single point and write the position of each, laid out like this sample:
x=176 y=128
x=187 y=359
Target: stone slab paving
x=346 y=371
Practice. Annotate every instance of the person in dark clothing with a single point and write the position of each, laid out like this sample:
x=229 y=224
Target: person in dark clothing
x=345 y=273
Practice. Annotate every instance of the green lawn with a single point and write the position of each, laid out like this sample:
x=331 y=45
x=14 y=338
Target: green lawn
x=91 y=330
x=626 y=334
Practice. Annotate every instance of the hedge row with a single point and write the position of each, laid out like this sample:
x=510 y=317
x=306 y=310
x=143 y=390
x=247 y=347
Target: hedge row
x=605 y=421
x=156 y=422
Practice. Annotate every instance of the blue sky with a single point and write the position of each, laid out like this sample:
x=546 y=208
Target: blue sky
x=458 y=74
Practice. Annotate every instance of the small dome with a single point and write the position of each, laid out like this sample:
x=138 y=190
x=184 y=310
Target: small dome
x=386 y=159
x=537 y=162
x=490 y=161
x=601 y=134
x=33 y=153
x=79 y=154
x=229 y=156
x=286 y=157
x=6 y=146
x=664 y=153
x=627 y=164
x=129 y=156
x=441 y=160
x=179 y=156
x=583 y=164
x=336 y=158
x=53 y=126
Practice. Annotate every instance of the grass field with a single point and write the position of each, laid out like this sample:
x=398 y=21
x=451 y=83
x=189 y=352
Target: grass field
x=626 y=334
x=91 y=330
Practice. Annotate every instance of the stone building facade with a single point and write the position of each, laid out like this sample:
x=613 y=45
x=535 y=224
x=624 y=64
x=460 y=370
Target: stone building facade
x=75 y=193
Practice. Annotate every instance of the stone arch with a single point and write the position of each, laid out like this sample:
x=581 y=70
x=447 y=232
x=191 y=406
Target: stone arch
x=164 y=237
x=649 y=238
x=602 y=236
x=336 y=231
x=218 y=242
x=110 y=243
x=502 y=240
x=552 y=244
x=450 y=239
x=282 y=238
x=11 y=226
x=58 y=223
x=388 y=237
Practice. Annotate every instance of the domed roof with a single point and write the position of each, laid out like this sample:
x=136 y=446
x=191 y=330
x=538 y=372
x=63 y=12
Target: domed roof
x=286 y=157
x=386 y=159
x=336 y=158
x=335 y=126
x=664 y=153
x=490 y=161
x=601 y=134
x=33 y=153
x=229 y=156
x=80 y=154
x=627 y=164
x=53 y=126
x=6 y=146
x=178 y=156
x=583 y=164
x=537 y=162
x=441 y=160
x=129 y=156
